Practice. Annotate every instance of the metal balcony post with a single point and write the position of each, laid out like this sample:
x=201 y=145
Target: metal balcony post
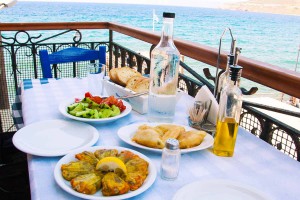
x=4 y=103
x=116 y=56
x=34 y=54
x=14 y=66
x=266 y=129
x=110 y=48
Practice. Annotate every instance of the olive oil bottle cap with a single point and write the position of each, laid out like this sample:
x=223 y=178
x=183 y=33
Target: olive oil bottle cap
x=235 y=72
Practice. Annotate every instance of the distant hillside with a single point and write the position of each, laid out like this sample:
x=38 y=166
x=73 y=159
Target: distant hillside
x=285 y=7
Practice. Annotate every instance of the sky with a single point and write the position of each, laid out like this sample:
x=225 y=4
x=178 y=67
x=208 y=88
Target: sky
x=193 y=3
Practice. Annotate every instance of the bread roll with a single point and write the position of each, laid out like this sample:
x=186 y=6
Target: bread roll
x=113 y=75
x=130 y=78
x=142 y=86
x=133 y=81
x=124 y=74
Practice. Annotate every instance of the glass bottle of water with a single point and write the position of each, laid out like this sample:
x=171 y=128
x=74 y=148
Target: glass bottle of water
x=164 y=75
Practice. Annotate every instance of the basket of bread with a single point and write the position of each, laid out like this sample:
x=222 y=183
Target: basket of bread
x=126 y=81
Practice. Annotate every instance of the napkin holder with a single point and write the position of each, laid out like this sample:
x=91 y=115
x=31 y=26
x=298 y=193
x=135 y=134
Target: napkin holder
x=208 y=123
x=204 y=94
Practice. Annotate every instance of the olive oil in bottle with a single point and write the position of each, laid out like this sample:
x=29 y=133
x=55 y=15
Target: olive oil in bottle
x=226 y=133
x=229 y=114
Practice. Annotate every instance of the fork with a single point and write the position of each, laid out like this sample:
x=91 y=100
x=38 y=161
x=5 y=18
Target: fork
x=131 y=95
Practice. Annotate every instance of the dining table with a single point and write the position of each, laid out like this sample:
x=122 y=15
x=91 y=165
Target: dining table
x=255 y=163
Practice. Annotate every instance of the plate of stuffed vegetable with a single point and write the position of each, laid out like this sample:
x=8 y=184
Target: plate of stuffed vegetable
x=105 y=172
x=95 y=108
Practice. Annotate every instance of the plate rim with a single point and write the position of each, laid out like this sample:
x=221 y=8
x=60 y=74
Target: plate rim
x=197 y=148
x=223 y=182
x=63 y=105
x=61 y=182
x=18 y=134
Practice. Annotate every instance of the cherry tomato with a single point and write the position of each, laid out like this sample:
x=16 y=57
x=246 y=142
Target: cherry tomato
x=88 y=94
x=121 y=106
x=111 y=100
x=96 y=99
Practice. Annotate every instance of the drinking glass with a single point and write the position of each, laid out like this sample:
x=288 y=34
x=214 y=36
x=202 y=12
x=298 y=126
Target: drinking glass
x=95 y=75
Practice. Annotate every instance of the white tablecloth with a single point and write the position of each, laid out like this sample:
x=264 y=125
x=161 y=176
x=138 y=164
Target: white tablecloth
x=255 y=163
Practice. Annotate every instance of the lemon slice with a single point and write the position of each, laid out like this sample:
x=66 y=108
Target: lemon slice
x=111 y=164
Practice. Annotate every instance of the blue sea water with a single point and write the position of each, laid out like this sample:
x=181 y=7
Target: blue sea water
x=270 y=38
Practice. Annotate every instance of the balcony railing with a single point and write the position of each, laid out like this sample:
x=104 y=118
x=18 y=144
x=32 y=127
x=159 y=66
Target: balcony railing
x=19 y=60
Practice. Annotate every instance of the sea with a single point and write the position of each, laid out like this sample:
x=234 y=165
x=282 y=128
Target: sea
x=270 y=38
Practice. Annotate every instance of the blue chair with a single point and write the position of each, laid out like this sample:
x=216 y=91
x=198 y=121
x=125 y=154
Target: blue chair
x=72 y=54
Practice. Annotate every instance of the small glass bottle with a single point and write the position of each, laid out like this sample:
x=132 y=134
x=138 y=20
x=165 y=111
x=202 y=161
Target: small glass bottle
x=164 y=67
x=229 y=114
x=170 y=160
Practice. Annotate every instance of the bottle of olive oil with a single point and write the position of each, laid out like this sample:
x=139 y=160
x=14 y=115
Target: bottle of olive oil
x=229 y=114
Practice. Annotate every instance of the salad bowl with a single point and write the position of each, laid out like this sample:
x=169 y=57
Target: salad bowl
x=63 y=109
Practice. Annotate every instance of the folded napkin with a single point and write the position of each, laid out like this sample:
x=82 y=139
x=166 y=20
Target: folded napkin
x=204 y=94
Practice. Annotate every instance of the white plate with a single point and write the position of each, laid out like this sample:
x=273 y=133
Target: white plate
x=65 y=185
x=219 y=189
x=63 y=109
x=55 y=137
x=126 y=134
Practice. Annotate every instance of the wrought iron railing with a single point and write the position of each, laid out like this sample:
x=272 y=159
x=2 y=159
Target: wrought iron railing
x=20 y=61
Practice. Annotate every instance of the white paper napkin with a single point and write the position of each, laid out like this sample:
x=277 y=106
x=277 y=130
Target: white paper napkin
x=204 y=94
